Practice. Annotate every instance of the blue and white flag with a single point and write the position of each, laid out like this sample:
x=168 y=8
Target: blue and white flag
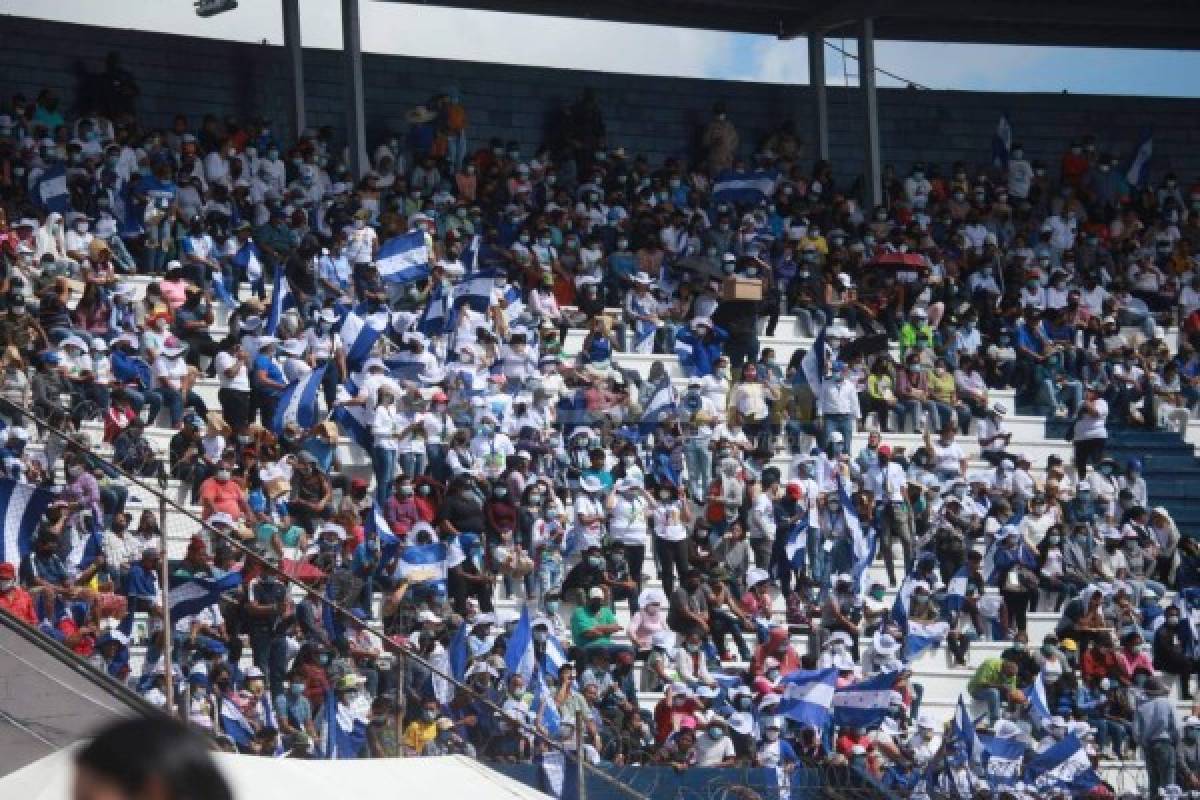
x=1139 y=165
x=544 y=710
x=345 y=731
x=744 y=187
x=249 y=260
x=864 y=704
x=266 y=713
x=355 y=421
x=797 y=542
x=281 y=301
x=956 y=589
x=662 y=405
x=458 y=653
x=813 y=364
x=808 y=696
x=22 y=505
x=518 y=651
x=425 y=563
x=1065 y=765
x=85 y=551
x=358 y=334
x=235 y=725
x=470 y=254
x=438 y=317
x=404 y=259
x=199 y=592
x=389 y=543
x=1002 y=759
x=920 y=636
x=965 y=735
x=475 y=291
x=1039 y=707
x=1001 y=143
x=298 y=403
x=51 y=192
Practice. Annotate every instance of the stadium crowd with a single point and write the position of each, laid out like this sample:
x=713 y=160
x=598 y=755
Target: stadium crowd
x=519 y=494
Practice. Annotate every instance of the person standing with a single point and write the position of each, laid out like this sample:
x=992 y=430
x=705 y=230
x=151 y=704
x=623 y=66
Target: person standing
x=1157 y=733
x=1089 y=431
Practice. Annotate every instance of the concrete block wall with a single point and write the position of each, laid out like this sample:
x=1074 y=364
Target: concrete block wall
x=653 y=115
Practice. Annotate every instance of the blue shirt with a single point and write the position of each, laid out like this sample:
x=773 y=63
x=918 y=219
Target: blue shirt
x=266 y=364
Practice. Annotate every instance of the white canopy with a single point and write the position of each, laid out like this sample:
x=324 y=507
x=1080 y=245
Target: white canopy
x=254 y=778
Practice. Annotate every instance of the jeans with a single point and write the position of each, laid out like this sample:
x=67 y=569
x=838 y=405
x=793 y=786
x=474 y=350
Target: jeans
x=841 y=423
x=174 y=400
x=412 y=464
x=993 y=699
x=139 y=400
x=550 y=575
x=724 y=623
x=960 y=413
x=1110 y=732
x=383 y=462
x=698 y=457
x=1160 y=766
x=896 y=524
x=913 y=408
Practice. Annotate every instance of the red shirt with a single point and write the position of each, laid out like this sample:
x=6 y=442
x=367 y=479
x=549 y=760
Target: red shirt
x=17 y=602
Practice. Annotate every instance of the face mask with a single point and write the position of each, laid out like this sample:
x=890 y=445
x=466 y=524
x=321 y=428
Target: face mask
x=597 y=562
x=1172 y=621
x=223 y=475
x=715 y=734
x=552 y=606
x=297 y=688
x=429 y=715
x=75 y=471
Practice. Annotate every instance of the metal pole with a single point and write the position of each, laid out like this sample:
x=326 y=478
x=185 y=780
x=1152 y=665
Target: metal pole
x=816 y=79
x=294 y=45
x=164 y=571
x=356 y=135
x=581 y=778
x=872 y=173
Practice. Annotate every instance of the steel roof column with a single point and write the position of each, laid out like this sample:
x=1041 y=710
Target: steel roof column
x=816 y=79
x=872 y=173
x=356 y=134
x=295 y=55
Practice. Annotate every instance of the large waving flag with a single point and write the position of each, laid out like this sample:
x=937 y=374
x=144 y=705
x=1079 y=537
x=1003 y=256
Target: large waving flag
x=808 y=696
x=199 y=592
x=404 y=259
x=797 y=542
x=1139 y=166
x=1001 y=758
x=1064 y=766
x=425 y=563
x=744 y=187
x=358 y=334
x=51 y=192
x=458 y=653
x=662 y=404
x=1002 y=143
x=345 y=731
x=475 y=291
x=298 y=403
x=518 y=652
x=864 y=704
x=281 y=301
x=22 y=505
x=354 y=421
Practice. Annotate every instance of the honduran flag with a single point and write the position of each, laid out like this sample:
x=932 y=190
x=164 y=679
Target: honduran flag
x=404 y=258
x=22 y=505
x=744 y=187
x=298 y=403
x=808 y=696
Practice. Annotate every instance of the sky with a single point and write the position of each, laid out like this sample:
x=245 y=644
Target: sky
x=435 y=32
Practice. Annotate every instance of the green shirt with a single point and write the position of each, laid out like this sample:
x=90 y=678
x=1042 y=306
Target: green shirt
x=584 y=620
x=989 y=674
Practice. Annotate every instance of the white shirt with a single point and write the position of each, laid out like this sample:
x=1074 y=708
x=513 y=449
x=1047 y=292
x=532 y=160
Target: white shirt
x=1093 y=427
x=892 y=482
x=171 y=370
x=668 y=522
x=762 y=519
x=386 y=424
x=838 y=397
x=947 y=457
x=627 y=520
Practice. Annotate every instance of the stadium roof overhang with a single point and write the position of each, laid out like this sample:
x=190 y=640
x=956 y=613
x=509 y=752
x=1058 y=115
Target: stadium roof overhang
x=1156 y=24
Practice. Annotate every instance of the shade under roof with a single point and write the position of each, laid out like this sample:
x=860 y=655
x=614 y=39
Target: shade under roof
x=1155 y=24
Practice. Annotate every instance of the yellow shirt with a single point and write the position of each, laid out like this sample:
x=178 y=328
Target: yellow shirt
x=418 y=734
x=942 y=389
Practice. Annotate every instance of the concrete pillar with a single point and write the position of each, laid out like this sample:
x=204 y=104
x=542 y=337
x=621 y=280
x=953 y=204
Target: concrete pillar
x=356 y=133
x=816 y=79
x=872 y=172
x=295 y=55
